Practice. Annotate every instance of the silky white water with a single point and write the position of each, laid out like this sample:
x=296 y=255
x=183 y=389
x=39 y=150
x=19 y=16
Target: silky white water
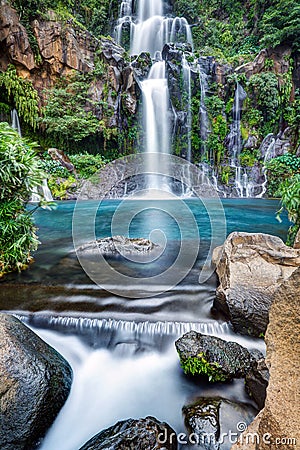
x=156 y=124
x=147 y=27
x=119 y=383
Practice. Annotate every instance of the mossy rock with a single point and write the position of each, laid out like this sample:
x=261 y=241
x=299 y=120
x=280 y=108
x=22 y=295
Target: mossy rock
x=212 y=357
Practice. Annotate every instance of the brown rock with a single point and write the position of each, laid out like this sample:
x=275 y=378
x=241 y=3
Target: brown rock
x=14 y=39
x=297 y=240
x=63 y=48
x=279 y=421
x=280 y=57
x=250 y=268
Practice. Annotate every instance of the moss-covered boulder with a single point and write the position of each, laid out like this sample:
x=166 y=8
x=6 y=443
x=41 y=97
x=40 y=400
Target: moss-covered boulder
x=212 y=357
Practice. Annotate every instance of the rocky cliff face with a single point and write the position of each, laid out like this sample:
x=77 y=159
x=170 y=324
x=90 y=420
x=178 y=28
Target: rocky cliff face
x=64 y=47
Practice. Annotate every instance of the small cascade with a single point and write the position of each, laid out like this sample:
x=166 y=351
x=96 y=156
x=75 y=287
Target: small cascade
x=124 y=24
x=15 y=123
x=187 y=86
x=156 y=124
x=267 y=151
x=267 y=148
x=242 y=186
x=147 y=29
x=235 y=138
x=43 y=191
x=111 y=333
x=203 y=115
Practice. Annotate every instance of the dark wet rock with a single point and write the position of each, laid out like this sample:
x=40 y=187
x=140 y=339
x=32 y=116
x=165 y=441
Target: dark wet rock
x=117 y=244
x=257 y=379
x=141 y=434
x=142 y=64
x=213 y=357
x=250 y=268
x=208 y=420
x=35 y=382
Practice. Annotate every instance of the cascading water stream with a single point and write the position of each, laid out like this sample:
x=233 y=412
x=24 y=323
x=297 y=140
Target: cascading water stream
x=15 y=123
x=156 y=124
x=149 y=29
x=35 y=196
x=203 y=115
x=267 y=150
x=243 y=187
x=187 y=85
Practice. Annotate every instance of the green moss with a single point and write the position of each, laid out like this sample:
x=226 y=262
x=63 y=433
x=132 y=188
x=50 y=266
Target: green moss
x=225 y=174
x=248 y=158
x=60 y=187
x=200 y=366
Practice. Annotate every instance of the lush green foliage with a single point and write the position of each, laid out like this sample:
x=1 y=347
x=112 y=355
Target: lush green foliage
x=219 y=128
x=22 y=94
x=200 y=366
x=19 y=174
x=61 y=182
x=85 y=165
x=279 y=169
x=280 y=24
x=67 y=115
x=237 y=28
x=264 y=91
x=93 y=14
x=290 y=200
x=19 y=165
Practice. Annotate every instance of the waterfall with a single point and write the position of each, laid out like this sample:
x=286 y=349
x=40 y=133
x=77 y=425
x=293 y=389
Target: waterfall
x=203 y=115
x=155 y=94
x=149 y=29
x=267 y=151
x=235 y=138
x=15 y=123
x=243 y=187
x=44 y=188
x=187 y=85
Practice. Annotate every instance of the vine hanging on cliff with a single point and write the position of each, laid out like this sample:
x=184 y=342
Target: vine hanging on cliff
x=23 y=95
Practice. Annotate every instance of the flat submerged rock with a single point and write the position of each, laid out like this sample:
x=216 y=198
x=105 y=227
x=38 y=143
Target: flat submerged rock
x=118 y=244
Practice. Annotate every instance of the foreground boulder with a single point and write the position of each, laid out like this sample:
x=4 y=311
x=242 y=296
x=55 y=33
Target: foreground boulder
x=212 y=357
x=209 y=421
x=117 y=244
x=35 y=382
x=278 y=426
x=141 y=434
x=250 y=268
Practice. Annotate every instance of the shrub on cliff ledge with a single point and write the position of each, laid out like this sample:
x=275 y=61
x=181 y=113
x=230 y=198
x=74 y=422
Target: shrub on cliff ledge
x=290 y=200
x=19 y=174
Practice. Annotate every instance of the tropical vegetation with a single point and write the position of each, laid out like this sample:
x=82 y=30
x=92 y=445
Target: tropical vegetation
x=20 y=174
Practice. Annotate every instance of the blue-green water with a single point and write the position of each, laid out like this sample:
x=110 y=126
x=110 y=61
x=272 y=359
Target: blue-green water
x=119 y=335
x=167 y=288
